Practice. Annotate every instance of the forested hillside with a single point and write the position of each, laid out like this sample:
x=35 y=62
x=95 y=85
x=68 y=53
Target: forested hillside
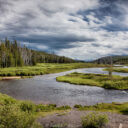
x=13 y=55
x=112 y=59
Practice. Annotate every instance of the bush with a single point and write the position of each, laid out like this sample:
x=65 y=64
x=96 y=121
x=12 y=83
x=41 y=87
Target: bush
x=94 y=120
x=12 y=117
x=52 y=105
x=28 y=107
x=77 y=106
x=64 y=107
x=9 y=101
x=116 y=85
x=124 y=111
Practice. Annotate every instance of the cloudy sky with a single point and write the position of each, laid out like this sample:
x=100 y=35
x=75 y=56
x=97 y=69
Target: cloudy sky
x=81 y=29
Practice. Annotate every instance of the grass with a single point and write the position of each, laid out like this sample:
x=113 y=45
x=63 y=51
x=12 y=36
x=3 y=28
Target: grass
x=30 y=107
x=14 y=112
x=117 y=82
x=123 y=70
x=94 y=120
x=43 y=68
x=121 y=108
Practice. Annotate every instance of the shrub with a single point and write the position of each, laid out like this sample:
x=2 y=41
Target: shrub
x=52 y=105
x=8 y=101
x=27 y=107
x=124 y=111
x=115 y=85
x=11 y=74
x=94 y=120
x=12 y=117
x=77 y=106
x=64 y=107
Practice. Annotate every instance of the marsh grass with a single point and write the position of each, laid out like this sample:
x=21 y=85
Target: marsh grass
x=123 y=70
x=43 y=68
x=106 y=107
x=100 y=80
x=22 y=114
x=28 y=106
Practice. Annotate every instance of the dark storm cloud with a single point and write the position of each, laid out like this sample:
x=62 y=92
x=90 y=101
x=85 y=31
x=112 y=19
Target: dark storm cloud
x=111 y=8
x=115 y=28
x=58 y=42
x=107 y=8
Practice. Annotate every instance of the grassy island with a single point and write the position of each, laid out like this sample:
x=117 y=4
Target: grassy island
x=123 y=70
x=116 y=82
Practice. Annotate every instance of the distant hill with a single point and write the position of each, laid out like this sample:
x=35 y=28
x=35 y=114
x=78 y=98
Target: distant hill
x=112 y=59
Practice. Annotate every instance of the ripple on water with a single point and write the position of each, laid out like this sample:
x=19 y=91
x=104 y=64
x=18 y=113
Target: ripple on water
x=45 y=89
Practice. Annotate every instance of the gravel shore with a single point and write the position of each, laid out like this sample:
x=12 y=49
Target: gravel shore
x=72 y=119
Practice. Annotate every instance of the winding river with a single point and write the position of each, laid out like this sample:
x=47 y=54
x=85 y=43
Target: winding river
x=45 y=89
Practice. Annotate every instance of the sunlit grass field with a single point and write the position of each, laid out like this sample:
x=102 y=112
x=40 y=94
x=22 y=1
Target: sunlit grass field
x=116 y=82
x=43 y=68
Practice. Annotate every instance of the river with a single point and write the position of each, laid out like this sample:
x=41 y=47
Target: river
x=45 y=89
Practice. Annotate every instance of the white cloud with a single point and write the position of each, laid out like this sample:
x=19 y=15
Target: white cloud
x=59 y=19
x=113 y=44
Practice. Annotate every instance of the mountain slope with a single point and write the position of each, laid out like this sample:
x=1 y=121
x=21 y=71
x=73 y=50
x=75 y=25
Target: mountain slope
x=112 y=59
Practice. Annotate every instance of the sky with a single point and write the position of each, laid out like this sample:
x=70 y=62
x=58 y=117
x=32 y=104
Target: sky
x=80 y=29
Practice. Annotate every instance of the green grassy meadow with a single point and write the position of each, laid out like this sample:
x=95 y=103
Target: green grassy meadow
x=43 y=68
x=116 y=82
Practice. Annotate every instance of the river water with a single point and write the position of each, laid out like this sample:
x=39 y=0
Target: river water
x=45 y=89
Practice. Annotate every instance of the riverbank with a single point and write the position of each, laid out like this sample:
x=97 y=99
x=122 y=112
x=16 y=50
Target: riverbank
x=10 y=78
x=14 y=77
x=99 y=80
x=72 y=119
x=15 y=112
x=19 y=114
x=116 y=112
x=42 y=68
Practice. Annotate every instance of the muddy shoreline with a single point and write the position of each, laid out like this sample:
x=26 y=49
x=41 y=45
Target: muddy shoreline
x=10 y=78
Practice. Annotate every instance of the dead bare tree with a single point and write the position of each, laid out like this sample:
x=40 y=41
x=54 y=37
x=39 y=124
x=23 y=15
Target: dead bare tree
x=111 y=67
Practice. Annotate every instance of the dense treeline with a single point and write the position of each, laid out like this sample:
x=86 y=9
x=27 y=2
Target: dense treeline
x=13 y=55
x=42 y=57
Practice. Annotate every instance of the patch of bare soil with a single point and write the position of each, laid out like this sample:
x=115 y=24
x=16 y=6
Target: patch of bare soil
x=73 y=120
x=11 y=78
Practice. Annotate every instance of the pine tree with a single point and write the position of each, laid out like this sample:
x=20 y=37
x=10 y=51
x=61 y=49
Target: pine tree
x=12 y=54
